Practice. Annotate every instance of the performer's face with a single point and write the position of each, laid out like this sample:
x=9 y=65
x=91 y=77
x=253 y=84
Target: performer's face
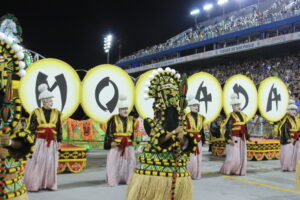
x=236 y=107
x=48 y=103
x=194 y=108
x=292 y=112
x=123 y=112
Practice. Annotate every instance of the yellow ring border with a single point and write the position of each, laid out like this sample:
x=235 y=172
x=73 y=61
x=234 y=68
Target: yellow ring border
x=261 y=86
x=139 y=89
x=71 y=69
x=226 y=88
x=84 y=104
x=214 y=79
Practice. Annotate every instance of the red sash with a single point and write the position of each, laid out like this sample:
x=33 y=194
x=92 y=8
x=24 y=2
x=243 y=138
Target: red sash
x=47 y=134
x=241 y=132
x=124 y=143
x=295 y=135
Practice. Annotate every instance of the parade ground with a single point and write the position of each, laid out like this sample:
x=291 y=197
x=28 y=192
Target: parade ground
x=264 y=180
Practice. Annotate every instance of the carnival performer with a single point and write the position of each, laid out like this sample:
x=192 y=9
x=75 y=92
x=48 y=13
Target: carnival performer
x=195 y=123
x=215 y=127
x=45 y=123
x=16 y=143
x=119 y=140
x=289 y=129
x=13 y=149
x=236 y=135
x=162 y=173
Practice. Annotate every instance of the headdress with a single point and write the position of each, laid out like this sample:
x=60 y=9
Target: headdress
x=44 y=92
x=234 y=99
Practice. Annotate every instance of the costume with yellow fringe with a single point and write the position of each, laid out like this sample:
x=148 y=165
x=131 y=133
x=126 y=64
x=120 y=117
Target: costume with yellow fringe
x=41 y=169
x=289 y=128
x=195 y=122
x=236 y=134
x=11 y=156
x=121 y=159
x=162 y=173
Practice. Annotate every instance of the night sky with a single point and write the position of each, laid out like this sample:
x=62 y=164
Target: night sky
x=74 y=31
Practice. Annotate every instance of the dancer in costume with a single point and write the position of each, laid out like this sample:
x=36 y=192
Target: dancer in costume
x=195 y=123
x=45 y=123
x=215 y=127
x=289 y=129
x=162 y=173
x=119 y=139
x=16 y=143
x=236 y=135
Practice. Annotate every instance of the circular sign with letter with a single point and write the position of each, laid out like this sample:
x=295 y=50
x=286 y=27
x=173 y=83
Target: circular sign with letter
x=62 y=80
x=273 y=99
x=246 y=92
x=101 y=89
x=143 y=107
x=208 y=92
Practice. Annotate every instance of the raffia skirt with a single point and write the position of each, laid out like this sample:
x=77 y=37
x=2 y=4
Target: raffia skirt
x=22 y=197
x=146 y=187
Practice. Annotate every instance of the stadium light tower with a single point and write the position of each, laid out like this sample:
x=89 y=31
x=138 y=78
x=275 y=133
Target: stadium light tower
x=107 y=45
x=207 y=8
x=222 y=3
x=195 y=14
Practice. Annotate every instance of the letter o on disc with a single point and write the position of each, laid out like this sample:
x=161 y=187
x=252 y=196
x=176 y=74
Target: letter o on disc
x=102 y=87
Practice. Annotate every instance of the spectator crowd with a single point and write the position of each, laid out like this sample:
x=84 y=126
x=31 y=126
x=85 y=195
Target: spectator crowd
x=285 y=67
x=239 y=20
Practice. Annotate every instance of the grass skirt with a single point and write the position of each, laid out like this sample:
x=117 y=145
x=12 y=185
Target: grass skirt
x=146 y=187
x=22 y=197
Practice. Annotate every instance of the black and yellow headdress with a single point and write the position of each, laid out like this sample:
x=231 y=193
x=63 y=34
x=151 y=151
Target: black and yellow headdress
x=12 y=56
x=163 y=86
